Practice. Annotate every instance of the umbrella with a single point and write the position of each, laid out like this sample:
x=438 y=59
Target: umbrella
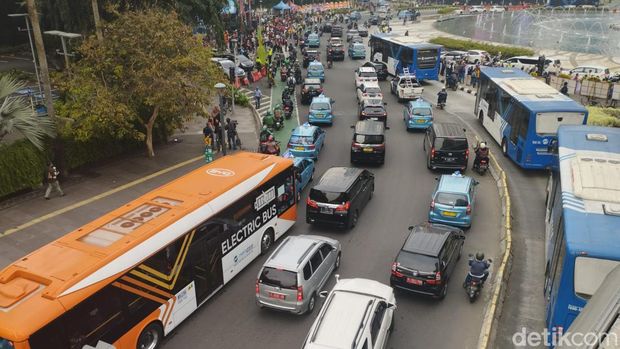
x=281 y=6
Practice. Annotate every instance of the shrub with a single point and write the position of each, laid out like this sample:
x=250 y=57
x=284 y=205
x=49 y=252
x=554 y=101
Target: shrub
x=22 y=166
x=446 y=10
x=241 y=98
x=465 y=45
x=598 y=116
x=77 y=154
x=564 y=76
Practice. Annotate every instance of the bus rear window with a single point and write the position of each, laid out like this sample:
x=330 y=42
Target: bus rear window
x=279 y=278
x=590 y=273
x=548 y=123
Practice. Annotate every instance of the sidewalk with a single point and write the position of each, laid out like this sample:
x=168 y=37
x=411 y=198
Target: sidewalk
x=96 y=182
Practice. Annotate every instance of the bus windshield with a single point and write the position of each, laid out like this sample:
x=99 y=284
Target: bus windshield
x=548 y=123
x=590 y=273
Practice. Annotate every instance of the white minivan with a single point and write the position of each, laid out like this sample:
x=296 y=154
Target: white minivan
x=357 y=314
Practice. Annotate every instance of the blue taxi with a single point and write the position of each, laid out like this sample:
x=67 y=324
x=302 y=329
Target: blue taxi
x=453 y=200
x=321 y=110
x=306 y=141
x=418 y=114
x=316 y=70
x=357 y=50
x=304 y=170
x=313 y=40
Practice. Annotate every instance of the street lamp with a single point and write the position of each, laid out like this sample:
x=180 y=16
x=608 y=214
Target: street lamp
x=34 y=59
x=221 y=89
x=64 y=35
x=234 y=43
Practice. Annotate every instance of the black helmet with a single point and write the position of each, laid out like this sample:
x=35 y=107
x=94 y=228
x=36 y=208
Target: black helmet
x=479 y=256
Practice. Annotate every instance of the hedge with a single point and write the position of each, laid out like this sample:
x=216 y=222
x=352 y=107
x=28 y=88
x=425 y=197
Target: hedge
x=465 y=45
x=598 y=116
x=77 y=154
x=22 y=166
x=446 y=10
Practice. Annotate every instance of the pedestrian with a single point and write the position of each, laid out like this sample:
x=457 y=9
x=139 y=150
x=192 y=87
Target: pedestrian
x=208 y=134
x=475 y=75
x=577 y=85
x=257 y=96
x=231 y=133
x=564 y=88
x=52 y=181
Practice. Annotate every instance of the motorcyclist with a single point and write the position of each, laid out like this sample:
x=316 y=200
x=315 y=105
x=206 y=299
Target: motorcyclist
x=269 y=120
x=482 y=152
x=286 y=94
x=297 y=73
x=265 y=133
x=478 y=268
x=290 y=82
x=330 y=58
x=442 y=96
x=271 y=146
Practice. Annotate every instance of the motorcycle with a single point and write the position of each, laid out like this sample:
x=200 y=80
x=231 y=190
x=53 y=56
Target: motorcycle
x=482 y=166
x=474 y=285
x=298 y=79
x=278 y=120
x=269 y=148
x=441 y=104
x=452 y=83
x=288 y=108
x=283 y=73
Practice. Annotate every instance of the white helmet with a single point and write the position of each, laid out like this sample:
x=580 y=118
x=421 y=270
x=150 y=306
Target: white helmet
x=483 y=145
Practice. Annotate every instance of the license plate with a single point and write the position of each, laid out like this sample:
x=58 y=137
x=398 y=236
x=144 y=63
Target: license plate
x=300 y=148
x=449 y=213
x=449 y=159
x=276 y=295
x=319 y=115
x=420 y=121
x=368 y=150
x=327 y=210
x=414 y=281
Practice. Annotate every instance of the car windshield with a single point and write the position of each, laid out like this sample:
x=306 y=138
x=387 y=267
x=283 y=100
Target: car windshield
x=315 y=68
x=451 y=199
x=320 y=106
x=279 y=278
x=374 y=110
x=421 y=111
x=368 y=74
x=303 y=140
x=328 y=196
x=447 y=144
x=313 y=36
x=312 y=87
x=373 y=90
x=417 y=261
x=369 y=139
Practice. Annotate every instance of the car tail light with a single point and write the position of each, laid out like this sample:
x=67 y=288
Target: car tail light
x=310 y=146
x=290 y=145
x=435 y=281
x=311 y=203
x=300 y=293
x=466 y=153
x=395 y=272
x=432 y=152
x=257 y=287
x=468 y=210
x=380 y=147
x=344 y=207
x=433 y=204
x=356 y=147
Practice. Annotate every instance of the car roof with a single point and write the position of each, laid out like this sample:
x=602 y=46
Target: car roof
x=448 y=129
x=312 y=81
x=419 y=103
x=372 y=102
x=292 y=251
x=358 y=44
x=304 y=130
x=427 y=239
x=316 y=63
x=369 y=127
x=454 y=183
x=365 y=286
x=371 y=83
x=312 y=51
x=367 y=69
x=314 y=34
x=321 y=98
x=338 y=179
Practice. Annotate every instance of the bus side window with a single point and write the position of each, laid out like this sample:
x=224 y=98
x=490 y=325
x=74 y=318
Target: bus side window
x=491 y=98
x=387 y=51
x=406 y=56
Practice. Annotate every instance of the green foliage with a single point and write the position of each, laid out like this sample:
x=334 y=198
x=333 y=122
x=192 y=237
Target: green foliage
x=464 y=45
x=80 y=153
x=598 y=116
x=241 y=98
x=564 y=76
x=148 y=73
x=446 y=10
x=22 y=166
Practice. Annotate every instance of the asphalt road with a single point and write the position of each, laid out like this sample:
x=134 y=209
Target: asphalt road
x=403 y=188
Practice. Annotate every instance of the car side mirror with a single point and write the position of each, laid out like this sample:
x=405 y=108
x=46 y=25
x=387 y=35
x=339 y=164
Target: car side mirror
x=332 y=101
x=476 y=182
x=443 y=264
x=387 y=127
x=337 y=276
x=384 y=103
x=410 y=227
x=352 y=126
x=323 y=294
x=436 y=178
x=391 y=306
x=464 y=130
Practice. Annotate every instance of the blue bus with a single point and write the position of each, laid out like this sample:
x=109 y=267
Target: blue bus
x=582 y=223
x=398 y=52
x=523 y=114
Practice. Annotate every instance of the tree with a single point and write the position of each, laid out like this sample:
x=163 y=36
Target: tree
x=16 y=114
x=147 y=73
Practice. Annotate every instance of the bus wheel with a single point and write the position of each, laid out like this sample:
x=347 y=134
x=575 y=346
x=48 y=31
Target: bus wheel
x=504 y=147
x=481 y=118
x=150 y=337
x=266 y=241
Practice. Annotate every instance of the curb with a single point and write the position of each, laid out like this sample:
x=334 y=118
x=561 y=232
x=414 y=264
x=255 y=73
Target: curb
x=494 y=308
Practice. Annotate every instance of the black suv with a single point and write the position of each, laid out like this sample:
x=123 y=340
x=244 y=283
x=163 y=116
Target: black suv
x=310 y=89
x=446 y=147
x=337 y=52
x=427 y=259
x=327 y=27
x=373 y=109
x=380 y=68
x=336 y=31
x=339 y=196
x=310 y=56
x=368 y=142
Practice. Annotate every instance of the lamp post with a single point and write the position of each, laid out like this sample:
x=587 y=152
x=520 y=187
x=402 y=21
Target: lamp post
x=34 y=59
x=63 y=36
x=234 y=43
x=221 y=89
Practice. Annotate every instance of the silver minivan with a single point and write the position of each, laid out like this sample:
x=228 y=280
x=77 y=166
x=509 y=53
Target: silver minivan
x=292 y=277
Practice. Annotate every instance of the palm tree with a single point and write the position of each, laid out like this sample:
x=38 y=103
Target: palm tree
x=16 y=114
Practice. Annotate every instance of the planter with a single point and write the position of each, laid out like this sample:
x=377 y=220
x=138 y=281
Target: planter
x=615 y=94
x=596 y=89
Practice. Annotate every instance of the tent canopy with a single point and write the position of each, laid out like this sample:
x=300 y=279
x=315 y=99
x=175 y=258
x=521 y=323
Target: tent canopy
x=281 y=6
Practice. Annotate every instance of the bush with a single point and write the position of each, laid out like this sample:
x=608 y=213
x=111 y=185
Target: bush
x=22 y=166
x=465 y=45
x=77 y=154
x=564 y=76
x=598 y=116
x=446 y=10
x=241 y=98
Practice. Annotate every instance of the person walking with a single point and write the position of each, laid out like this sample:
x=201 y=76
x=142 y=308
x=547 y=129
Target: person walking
x=257 y=96
x=52 y=181
x=564 y=89
x=231 y=134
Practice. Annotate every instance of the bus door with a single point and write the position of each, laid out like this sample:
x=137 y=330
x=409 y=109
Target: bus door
x=519 y=121
x=205 y=259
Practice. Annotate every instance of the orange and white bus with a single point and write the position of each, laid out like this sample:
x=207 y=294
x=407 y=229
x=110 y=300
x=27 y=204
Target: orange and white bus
x=130 y=277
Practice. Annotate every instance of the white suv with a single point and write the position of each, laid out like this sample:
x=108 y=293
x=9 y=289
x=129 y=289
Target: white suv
x=358 y=313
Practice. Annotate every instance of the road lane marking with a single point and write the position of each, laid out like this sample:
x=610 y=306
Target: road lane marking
x=97 y=197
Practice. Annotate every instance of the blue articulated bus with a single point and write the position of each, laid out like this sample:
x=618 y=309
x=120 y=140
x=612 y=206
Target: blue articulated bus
x=398 y=52
x=582 y=235
x=523 y=114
